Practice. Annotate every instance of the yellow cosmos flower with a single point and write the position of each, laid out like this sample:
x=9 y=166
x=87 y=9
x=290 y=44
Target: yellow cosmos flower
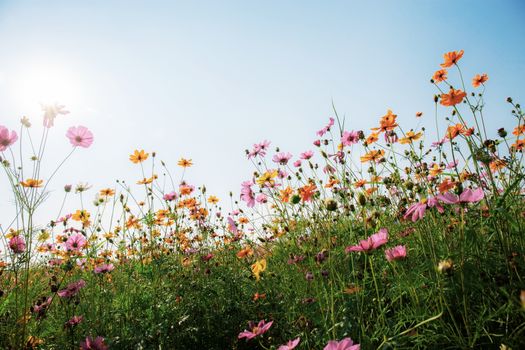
x=138 y=156
x=258 y=267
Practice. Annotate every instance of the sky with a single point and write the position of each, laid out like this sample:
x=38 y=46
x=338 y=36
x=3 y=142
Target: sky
x=207 y=79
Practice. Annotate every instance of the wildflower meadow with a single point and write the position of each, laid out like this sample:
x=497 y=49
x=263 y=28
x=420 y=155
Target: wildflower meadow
x=383 y=238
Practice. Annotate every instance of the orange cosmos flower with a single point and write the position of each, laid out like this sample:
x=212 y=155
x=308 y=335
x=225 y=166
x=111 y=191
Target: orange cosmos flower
x=453 y=97
x=147 y=181
x=518 y=145
x=133 y=222
x=387 y=122
x=519 y=130
x=107 y=192
x=185 y=163
x=306 y=192
x=258 y=296
x=410 y=137
x=419 y=114
x=213 y=200
x=372 y=138
x=331 y=183
x=446 y=185
x=81 y=215
x=247 y=251
x=370 y=190
x=286 y=194
x=451 y=58
x=32 y=183
x=435 y=170
x=497 y=164
x=375 y=156
x=243 y=220
x=479 y=79
x=138 y=156
x=455 y=130
x=185 y=190
x=360 y=183
x=440 y=75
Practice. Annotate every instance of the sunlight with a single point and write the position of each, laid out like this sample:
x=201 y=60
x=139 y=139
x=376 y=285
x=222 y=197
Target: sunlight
x=46 y=84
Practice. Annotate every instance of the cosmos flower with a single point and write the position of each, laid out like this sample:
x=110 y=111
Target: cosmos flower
x=344 y=344
x=138 y=156
x=350 y=137
x=479 y=80
x=451 y=58
x=80 y=136
x=440 y=75
x=306 y=155
x=76 y=242
x=51 y=112
x=104 y=268
x=17 y=244
x=282 y=158
x=324 y=130
x=453 y=97
x=371 y=243
x=32 y=183
x=72 y=289
x=6 y=138
x=247 y=193
x=259 y=149
x=291 y=344
x=255 y=330
x=93 y=344
x=397 y=253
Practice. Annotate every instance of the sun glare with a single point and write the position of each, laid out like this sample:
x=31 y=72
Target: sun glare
x=46 y=84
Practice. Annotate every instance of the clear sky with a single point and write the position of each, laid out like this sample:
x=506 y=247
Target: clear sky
x=207 y=79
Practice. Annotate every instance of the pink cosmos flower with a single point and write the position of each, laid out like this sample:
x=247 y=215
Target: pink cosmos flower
x=397 y=253
x=282 y=158
x=471 y=196
x=290 y=345
x=391 y=136
x=80 y=136
x=247 y=193
x=170 y=196
x=439 y=143
x=350 y=137
x=261 y=198
x=324 y=130
x=51 y=112
x=259 y=149
x=317 y=143
x=104 y=268
x=452 y=164
x=76 y=242
x=72 y=289
x=232 y=226
x=17 y=244
x=344 y=344
x=328 y=169
x=371 y=243
x=255 y=330
x=96 y=344
x=467 y=196
x=417 y=210
x=307 y=155
x=6 y=138
x=73 y=321
x=41 y=306
x=297 y=163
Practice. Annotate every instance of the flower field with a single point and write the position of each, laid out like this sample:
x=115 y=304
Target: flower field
x=386 y=238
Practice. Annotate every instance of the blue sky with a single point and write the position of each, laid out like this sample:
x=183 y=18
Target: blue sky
x=207 y=79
